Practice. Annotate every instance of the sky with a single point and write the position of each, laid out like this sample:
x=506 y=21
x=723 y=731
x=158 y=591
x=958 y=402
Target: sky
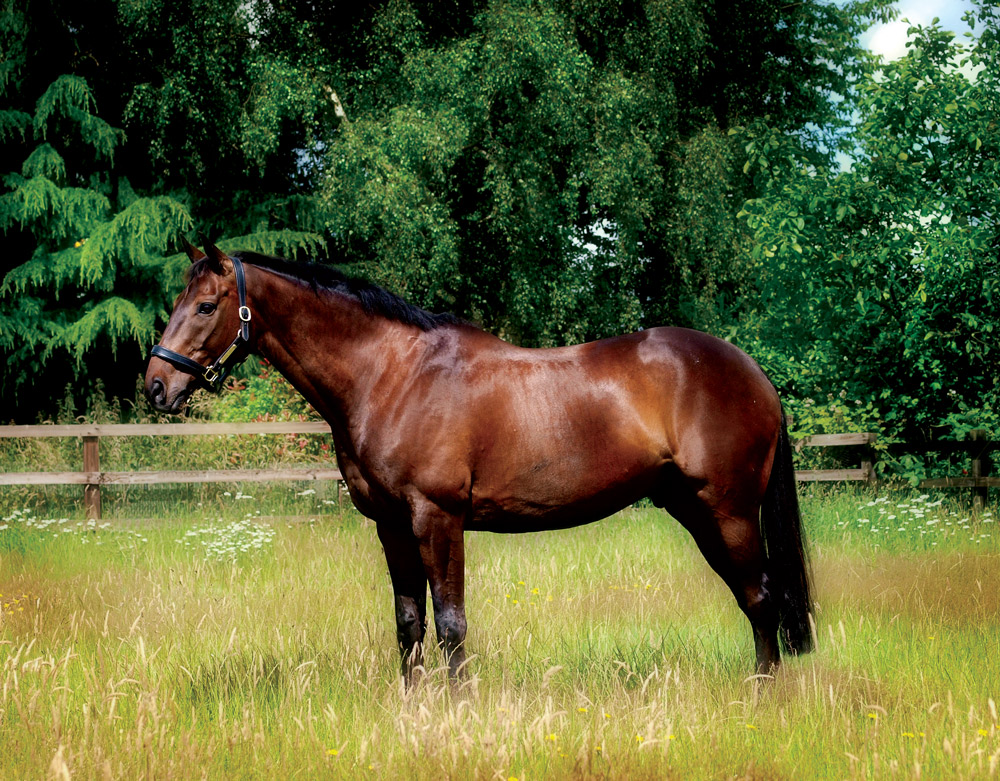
x=889 y=40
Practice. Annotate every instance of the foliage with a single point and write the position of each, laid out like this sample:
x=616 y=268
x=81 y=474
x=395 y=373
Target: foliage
x=560 y=170
x=557 y=170
x=91 y=214
x=262 y=394
x=881 y=283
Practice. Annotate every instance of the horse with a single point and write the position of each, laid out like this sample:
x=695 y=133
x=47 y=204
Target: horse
x=441 y=428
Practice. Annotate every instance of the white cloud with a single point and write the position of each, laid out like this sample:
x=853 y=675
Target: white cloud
x=889 y=40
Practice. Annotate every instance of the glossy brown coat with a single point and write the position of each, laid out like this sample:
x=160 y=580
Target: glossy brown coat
x=441 y=428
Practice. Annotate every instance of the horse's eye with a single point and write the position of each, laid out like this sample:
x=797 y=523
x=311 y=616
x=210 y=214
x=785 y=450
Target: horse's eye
x=206 y=308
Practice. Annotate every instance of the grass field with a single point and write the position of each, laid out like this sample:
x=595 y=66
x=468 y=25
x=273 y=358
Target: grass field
x=214 y=641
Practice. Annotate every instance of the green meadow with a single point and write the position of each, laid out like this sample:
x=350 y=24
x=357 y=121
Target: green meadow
x=250 y=635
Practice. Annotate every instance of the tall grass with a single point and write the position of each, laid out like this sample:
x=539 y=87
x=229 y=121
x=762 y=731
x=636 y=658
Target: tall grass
x=213 y=644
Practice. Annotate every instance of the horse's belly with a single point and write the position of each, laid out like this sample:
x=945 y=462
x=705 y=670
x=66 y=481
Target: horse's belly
x=551 y=499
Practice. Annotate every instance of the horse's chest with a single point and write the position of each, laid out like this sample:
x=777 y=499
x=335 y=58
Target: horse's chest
x=368 y=492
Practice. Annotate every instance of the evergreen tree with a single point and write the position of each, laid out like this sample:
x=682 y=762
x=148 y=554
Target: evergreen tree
x=91 y=215
x=76 y=238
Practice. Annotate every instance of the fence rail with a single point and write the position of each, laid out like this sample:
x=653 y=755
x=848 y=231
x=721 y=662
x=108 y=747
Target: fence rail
x=91 y=477
x=163 y=429
x=979 y=447
x=866 y=472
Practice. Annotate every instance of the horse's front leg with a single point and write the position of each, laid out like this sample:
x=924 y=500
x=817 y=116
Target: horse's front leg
x=409 y=586
x=442 y=548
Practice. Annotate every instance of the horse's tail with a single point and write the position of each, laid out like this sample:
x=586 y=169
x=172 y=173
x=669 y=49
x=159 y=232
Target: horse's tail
x=787 y=562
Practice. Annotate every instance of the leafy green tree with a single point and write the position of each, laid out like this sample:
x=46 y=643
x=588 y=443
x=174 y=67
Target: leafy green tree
x=560 y=169
x=557 y=169
x=880 y=284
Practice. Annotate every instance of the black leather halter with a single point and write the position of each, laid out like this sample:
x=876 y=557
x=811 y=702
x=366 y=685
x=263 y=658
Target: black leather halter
x=212 y=376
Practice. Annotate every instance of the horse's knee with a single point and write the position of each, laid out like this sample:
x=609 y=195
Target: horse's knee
x=409 y=623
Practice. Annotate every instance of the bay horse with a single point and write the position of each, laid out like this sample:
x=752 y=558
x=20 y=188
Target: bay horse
x=441 y=428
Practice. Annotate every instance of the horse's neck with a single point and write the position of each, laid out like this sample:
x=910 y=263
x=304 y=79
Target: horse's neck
x=322 y=342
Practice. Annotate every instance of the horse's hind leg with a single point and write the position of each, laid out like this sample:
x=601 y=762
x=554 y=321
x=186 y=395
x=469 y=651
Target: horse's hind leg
x=409 y=586
x=730 y=540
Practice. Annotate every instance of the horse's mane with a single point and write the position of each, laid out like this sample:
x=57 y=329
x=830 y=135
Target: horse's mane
x=374 y=300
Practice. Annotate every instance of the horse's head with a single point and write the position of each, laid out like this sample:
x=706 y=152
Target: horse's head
x=198 y=348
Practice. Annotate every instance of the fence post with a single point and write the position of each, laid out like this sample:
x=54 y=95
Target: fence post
x=91 y=491
x=868 y=460
x=980 y=466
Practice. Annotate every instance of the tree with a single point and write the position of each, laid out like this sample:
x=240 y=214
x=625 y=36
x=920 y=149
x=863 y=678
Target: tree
x=880 y=283
x=561 y=170
x=91 y=214
x=556 y=169
x=81 y=233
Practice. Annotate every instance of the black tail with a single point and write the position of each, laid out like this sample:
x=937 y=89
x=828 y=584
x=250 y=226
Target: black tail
x=787 y=564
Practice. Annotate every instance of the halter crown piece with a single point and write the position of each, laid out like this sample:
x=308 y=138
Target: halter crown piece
x=211 y=377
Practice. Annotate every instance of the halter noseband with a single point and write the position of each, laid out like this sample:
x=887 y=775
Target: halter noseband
x=212 y=376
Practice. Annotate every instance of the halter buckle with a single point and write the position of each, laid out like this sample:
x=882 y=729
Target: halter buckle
x=245 y=314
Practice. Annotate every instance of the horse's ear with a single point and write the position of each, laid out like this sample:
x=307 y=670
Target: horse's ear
x=192 y=251
x=218 y=260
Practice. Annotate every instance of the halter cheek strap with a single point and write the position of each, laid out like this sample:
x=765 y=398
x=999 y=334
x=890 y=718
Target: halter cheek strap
x=212 y=376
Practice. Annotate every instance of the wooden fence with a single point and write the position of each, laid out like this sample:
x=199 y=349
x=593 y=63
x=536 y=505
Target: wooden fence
x=92 y=477
x=865 y=442
x=979 y=448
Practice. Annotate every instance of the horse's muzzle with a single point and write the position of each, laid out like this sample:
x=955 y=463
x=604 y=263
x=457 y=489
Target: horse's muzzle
x=156 y=392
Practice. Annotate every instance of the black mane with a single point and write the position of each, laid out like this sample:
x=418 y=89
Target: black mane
x=374 y=300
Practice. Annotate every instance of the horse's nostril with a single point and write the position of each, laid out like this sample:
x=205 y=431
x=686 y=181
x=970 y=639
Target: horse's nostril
x=157 y=392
